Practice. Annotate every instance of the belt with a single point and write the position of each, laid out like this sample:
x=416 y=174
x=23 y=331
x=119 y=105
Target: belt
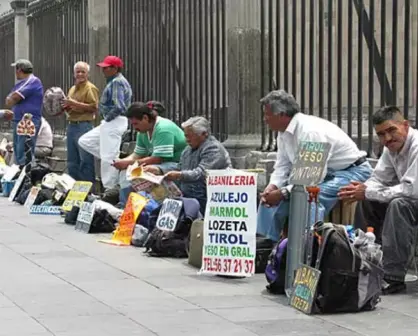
x=72 y=122
x=359 y=161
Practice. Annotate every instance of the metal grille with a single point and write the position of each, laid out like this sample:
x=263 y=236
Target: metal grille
x=341 y=59
x=174 y=51
x=7 y=52
x=58 y=39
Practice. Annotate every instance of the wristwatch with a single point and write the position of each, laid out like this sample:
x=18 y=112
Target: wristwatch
x=285 y=193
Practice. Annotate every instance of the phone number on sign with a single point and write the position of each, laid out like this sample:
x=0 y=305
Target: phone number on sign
x=228 y=265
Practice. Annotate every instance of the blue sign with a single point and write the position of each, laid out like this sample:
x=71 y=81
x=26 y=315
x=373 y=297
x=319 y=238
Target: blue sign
x=45 y=210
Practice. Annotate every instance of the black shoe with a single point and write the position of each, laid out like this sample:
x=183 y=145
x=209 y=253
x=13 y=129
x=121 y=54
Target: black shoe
x=393 y=287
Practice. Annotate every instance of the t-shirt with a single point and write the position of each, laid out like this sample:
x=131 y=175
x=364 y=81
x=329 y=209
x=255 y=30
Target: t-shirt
x=31 y=91
x=167 y=142
x=86 y=93
x=45 y=137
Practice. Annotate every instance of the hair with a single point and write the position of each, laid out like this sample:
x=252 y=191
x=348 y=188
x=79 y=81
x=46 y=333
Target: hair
x=281 y=102
x=387 y=113
x=138 y=110
x=199 y=125
x=82 y=64
x=156 y=106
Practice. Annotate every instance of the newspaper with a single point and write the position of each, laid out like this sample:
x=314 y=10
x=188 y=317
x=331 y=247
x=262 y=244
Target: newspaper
x=155 y=185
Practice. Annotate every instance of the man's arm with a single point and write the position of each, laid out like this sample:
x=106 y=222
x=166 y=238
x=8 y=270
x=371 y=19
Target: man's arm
x=12 y=100
x=24 y=91
x=282 y=167
x=211 y=157
x=118 y=102
x=91 y=103
x=384 y=173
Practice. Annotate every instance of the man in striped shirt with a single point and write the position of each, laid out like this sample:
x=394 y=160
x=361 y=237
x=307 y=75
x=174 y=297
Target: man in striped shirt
x=104 y=141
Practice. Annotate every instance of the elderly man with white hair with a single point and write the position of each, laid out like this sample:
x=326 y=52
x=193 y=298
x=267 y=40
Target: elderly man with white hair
x=203 y=153
x=81 y=108
x=345 y=162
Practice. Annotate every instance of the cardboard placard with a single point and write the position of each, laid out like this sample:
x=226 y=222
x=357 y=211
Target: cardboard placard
x=308 y=168
x=85 y=217
x=304 y=288
x=77 y=195
x=17 y=185
x=169 y=214
x=229 y=242
x=122 y=236
x=45 y=210
x=10 y=173
x=33 y=194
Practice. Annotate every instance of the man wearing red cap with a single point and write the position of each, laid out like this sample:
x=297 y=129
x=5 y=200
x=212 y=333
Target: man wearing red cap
x=104 y=141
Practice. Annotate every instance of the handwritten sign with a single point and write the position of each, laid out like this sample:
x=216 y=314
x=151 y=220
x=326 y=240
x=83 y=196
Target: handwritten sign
x=45 y=210
x=33 y=194
x=308 y=168
x=230 y=223
x=85 y=216
x=77 y=195
x=17 y=185
x=304 y=288
x=169 y=214
x=123 y=234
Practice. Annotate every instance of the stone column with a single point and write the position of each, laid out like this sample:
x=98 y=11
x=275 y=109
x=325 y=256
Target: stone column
x=21 y=28
x=244 y=78
x=98 y=23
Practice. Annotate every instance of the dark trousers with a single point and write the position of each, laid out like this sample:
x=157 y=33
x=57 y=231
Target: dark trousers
x=395 y=225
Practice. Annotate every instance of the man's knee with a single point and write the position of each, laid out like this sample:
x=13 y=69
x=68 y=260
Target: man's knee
x=397 y=204
x=83 y=142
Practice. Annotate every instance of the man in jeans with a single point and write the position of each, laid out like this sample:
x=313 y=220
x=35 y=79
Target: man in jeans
x=104 y=141
x=25 y=97
x=81 y=107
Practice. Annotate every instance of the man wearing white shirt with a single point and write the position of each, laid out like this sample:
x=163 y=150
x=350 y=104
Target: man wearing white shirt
x=345 y=161
x=388 y=201
x=44 y=142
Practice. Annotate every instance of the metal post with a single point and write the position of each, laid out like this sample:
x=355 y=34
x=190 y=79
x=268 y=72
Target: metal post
x=298 y=216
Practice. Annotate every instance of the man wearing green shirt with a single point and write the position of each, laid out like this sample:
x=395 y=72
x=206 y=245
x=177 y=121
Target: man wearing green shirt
x=159 y=142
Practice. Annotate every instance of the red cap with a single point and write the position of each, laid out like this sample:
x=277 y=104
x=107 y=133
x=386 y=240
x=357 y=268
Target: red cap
x=111 y=61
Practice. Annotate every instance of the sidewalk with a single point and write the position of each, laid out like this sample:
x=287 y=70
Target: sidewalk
x=56 y=281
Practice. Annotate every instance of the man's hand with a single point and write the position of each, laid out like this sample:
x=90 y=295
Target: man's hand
x=69 y=102
x=8 y=115
x=152 y=169
x=355 y=191
x=273 y=198
x=122 y=164
x=173 y=175
x=268 y=190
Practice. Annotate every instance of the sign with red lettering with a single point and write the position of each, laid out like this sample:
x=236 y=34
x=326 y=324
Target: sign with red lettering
x=230 y=223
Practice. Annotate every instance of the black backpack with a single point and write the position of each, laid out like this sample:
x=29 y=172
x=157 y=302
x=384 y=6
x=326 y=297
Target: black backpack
x=168 y=243
x=348 y=282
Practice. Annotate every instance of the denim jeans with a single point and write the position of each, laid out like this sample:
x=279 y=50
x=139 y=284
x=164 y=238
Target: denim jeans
x=125 y=186
x=270 y=221
x=19 y=143
x=80 y=163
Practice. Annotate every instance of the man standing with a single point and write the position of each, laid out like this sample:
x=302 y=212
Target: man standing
x=81 y=107
x=345 y=161
x=25 y=97
x=388 y=201
x=104 y=141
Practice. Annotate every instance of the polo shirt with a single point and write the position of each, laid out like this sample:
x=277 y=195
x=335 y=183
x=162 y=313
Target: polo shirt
x=86 y=93
x=167 y=141
x=31 y=91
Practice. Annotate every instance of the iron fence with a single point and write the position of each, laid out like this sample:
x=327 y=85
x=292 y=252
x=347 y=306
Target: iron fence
x=175 y=52
x=7 y=52
x=341 y=59
x=58 y=39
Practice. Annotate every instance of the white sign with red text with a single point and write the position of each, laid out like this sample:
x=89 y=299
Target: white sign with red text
x=230 y=224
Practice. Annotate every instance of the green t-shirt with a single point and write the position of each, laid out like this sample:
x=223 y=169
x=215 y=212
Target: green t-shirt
x=167 y=142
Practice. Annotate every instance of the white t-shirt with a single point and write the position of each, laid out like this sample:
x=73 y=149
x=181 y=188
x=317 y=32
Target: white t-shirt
x=45 y=136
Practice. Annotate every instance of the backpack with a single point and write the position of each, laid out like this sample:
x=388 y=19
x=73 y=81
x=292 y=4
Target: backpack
x=348 y=282
x=161 y=243
x=276 y=268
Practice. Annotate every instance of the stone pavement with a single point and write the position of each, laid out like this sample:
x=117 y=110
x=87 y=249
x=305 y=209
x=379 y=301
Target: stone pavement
x=56 y=281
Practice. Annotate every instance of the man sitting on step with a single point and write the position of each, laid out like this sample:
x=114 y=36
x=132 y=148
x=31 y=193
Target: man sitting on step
x=345 y=161
x=388 y=201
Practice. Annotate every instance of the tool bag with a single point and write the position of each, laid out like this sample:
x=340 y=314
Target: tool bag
x=348 y=282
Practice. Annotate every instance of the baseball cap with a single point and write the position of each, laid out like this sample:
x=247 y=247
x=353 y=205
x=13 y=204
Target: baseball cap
x=111 y=61
x=23 y=64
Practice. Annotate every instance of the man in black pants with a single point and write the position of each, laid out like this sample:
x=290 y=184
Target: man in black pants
x=388 y=201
